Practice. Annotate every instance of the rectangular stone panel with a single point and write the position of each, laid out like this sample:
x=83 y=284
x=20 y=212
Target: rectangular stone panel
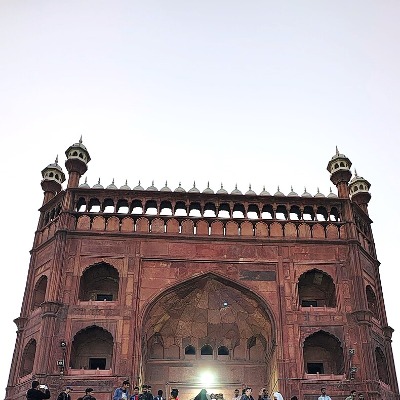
x=100 y=247
x=302 y=253
x=247 y=275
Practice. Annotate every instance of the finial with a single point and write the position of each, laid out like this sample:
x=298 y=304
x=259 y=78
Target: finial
x=317 y=189
x=330 y=189
x=337 y=151
x=235 y=186
x=278 y=189
x=80 y=140
x=166 y=183
x=194 y=184
x=113 y=181
x=98 y=182
x=152 y=182
x=264 y=188
x=139 y=183
x=305 y=189
x=222 y=186
x=126 y=182
x=355 y=173
x=179 y=184
x=208 y=184
x=249 y=186
x=291 y=188
x=85 y=179
x=56 y=161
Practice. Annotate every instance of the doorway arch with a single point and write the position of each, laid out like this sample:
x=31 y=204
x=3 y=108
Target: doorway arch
x=204 y=314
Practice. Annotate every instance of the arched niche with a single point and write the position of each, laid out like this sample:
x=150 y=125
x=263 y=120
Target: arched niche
x=206 y=350
x=323 y=354
x=92 y=348
x=316 y=289
x=371 y=300
x=190 y=350
x=28 y=358
x=155 y=346
x=381 y=365
x=39 y=293
x=99 y=282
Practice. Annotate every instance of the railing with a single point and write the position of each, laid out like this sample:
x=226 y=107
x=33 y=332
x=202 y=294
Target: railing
x=186 y=226
x=209 y=226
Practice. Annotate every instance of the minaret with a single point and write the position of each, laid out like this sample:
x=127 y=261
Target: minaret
x=76 y=164
x=53 y=177
x=339 y=168
x=359 y=191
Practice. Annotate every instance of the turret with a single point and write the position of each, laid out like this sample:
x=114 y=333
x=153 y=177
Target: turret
x=339 y=168
x=53 y=177
x=359 y=191
x=76 y=164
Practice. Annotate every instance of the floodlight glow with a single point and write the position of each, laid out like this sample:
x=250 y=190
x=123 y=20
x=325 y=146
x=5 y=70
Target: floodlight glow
x=206 y=378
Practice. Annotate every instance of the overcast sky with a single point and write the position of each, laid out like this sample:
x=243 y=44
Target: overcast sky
x=246 y=92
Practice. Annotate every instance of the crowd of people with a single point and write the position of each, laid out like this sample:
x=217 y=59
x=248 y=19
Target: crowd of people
x=42 y=392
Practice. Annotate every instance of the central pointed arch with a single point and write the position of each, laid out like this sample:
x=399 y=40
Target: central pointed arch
x=205 y=314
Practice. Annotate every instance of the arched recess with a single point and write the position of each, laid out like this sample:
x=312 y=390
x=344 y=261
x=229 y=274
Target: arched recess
x=381 y=365
x=316 y=289
x=371 y=300
x=28 y=358
x=206 y=350
x=39 y=293
x=99 y=282
x=218 y=317
x=190 y=350
x=92 y=348
x=323 y=354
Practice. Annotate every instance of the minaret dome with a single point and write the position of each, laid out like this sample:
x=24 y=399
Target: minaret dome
x=339 y=168
x=53 y=177
x=359 y=191
x=76 y=164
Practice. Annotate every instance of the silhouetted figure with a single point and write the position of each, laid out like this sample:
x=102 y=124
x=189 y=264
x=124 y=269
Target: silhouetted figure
x=202 y=395
x=38 y=392
x=88 y=394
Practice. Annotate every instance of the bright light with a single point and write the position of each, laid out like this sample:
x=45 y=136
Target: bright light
x=206 y=378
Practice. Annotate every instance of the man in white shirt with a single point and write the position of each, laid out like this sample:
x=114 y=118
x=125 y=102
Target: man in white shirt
x=236 y=396
x=324 y=396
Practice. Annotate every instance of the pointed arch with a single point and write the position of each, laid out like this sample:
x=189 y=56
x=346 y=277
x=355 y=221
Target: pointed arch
x=371 y=301
x=92 y=348
x=99 y=282
x=39 y=293
x=218 y=316
x=316 y=289
x=323 y=354
x=28 y=358
x=381 y=365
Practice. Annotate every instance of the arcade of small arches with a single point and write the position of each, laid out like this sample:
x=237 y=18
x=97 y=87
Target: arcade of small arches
x=224 y=209
x=196 y=209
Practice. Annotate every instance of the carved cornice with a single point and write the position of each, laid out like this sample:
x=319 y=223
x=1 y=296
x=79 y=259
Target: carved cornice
x=20 y=322
x=50 y=308
x=388 y=332
x=362 y=316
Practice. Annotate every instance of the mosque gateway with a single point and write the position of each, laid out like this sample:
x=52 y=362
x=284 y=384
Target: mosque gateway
x=191 y=289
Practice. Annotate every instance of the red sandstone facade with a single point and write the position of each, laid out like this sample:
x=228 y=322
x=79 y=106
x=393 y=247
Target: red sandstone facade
x=162 y=287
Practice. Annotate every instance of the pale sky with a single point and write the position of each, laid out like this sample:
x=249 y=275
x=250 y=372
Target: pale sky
x=233 y=91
